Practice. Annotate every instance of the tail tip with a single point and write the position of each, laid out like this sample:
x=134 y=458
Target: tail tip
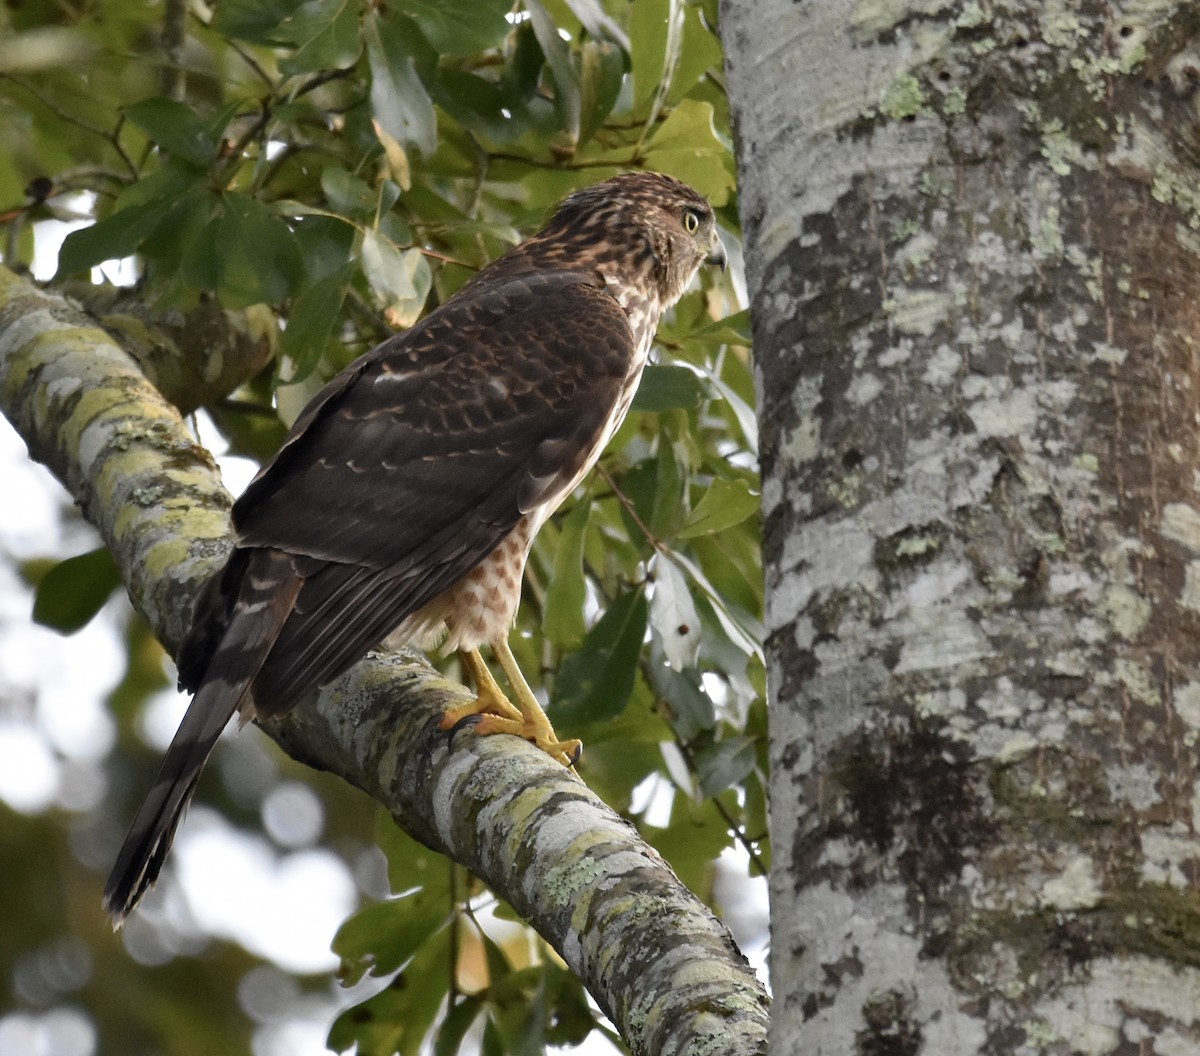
x=118 y=906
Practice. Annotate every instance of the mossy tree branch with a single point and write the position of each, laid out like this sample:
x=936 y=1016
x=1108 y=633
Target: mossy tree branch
x=660 y=965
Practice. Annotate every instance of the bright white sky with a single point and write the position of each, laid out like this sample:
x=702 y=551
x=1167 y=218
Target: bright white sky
x=283 y=898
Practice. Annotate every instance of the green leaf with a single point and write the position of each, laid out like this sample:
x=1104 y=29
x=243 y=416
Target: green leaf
x=175 y=127
x=311 y=322
x=347 y=194
x=174 y=179
x=381 y=938
x=648 y=43
x=558 y=57
x=401 y=279
x=570 y=1019
x=252 y=432
x=200 y=265
x=459 y=27
x=562 y=614
x=74 y=590
x=686 y=146
x=691 y=709
x=455 y=1026
x=257 y=260
x=599 y=24
x=746 y=418
x=326 y=243
x=522 y=66
x=744 y=632
x=493 y=1042
x=724 y=764
x=732 y=330
x=397 y=1018
x=166 y=249
x=112 y=238
x=695 y=837
x=478 y=104
x=699 y=52
x=519 y=1012
x=726 y=503
x=667 y=507
x=399 y=100
x=258 y=21
x=327 y=32
x=139 y=212
x=501 y=977
x=383 y=264
x=673 y=616
x=668 y=388
x=601 y=74
x=412 y=865
x=595 y=682
x=556 y=1011
x=655 y=486
x=733 y=562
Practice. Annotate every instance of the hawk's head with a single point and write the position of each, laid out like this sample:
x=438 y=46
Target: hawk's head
x=650 y=228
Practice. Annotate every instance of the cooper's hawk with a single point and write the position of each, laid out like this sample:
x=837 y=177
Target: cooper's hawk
x=407 y=494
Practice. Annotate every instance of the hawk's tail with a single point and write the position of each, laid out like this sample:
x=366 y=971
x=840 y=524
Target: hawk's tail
x=267 y=592
x=145 y=847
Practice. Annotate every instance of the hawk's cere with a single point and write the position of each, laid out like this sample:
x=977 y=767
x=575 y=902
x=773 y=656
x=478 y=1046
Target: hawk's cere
x=407 y=494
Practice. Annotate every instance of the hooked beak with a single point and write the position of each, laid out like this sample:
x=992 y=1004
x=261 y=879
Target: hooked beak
x=716 y=255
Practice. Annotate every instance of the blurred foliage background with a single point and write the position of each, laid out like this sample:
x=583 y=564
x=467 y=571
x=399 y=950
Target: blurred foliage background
x=325 y=172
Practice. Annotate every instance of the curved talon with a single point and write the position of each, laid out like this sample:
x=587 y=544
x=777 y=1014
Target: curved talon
x=471 y=719
x=577 y=754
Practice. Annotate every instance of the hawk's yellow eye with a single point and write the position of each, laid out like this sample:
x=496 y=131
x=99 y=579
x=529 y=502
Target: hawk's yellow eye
x=691 y=221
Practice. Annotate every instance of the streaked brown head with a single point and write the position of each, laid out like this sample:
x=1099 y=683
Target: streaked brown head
x=641 y=225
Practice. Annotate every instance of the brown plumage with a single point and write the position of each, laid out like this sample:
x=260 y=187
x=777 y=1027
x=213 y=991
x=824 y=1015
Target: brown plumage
x=408 y=493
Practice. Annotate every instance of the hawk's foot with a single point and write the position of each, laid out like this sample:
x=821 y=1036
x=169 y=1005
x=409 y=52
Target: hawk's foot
x=536 y=724
x=539 y=734
x=489 y=697
x=492 y=712
x=484 y=705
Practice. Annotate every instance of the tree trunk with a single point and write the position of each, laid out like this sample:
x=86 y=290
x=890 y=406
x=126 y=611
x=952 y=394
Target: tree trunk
x=973 y=239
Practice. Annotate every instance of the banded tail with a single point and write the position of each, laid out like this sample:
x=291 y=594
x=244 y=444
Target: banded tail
x=252 y=609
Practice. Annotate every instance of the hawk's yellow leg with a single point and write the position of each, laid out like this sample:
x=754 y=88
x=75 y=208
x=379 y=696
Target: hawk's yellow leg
x=497 y=714
x=489 y=697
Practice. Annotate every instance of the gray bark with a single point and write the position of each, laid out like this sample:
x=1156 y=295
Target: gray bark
x=973 y=239
x=658 y=963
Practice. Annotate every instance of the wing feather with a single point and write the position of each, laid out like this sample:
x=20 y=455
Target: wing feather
x=409 y=469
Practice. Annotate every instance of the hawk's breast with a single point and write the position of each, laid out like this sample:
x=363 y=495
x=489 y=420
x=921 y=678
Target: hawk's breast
x=481 y=607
